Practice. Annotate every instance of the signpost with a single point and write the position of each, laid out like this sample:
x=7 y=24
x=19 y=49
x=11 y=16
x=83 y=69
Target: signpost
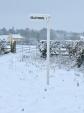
x=47 y=19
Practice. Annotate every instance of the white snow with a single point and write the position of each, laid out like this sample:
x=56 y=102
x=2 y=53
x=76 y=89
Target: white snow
x=23 y=85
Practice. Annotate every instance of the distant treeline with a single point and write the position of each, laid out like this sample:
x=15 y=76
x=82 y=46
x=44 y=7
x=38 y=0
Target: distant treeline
x=32 y=36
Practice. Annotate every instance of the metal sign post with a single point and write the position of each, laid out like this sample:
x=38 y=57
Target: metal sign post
x=47 y=19
x=48 y=50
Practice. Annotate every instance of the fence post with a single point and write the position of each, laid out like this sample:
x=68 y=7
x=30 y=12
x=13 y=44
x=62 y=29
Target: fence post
x=13 y=46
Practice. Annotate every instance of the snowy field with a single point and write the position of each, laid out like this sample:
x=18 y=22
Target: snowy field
x=23 y=85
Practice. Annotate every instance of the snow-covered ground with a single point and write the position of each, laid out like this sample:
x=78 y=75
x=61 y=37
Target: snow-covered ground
x=23 y=85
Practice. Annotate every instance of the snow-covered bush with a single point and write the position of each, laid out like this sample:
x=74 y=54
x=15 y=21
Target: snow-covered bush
x=72 y=48
x=43 y=48
x=80 y=58
x=3 y=46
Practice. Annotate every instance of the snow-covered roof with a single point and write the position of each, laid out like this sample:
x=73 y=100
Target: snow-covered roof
x=3 y=37
x=17 y=36
x=81 y=37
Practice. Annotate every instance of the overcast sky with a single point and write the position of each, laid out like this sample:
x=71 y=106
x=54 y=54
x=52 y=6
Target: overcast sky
x=66 y=14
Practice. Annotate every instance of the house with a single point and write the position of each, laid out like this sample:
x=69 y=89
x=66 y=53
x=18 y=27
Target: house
x=15 y=37
x=8 y=42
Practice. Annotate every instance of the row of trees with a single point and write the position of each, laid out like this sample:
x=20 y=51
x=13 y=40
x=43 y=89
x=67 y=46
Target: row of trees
x=37 y=35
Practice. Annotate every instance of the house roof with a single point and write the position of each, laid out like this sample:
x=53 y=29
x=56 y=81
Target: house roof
x=17 y=36
x=82 y=37
x=3 y=37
